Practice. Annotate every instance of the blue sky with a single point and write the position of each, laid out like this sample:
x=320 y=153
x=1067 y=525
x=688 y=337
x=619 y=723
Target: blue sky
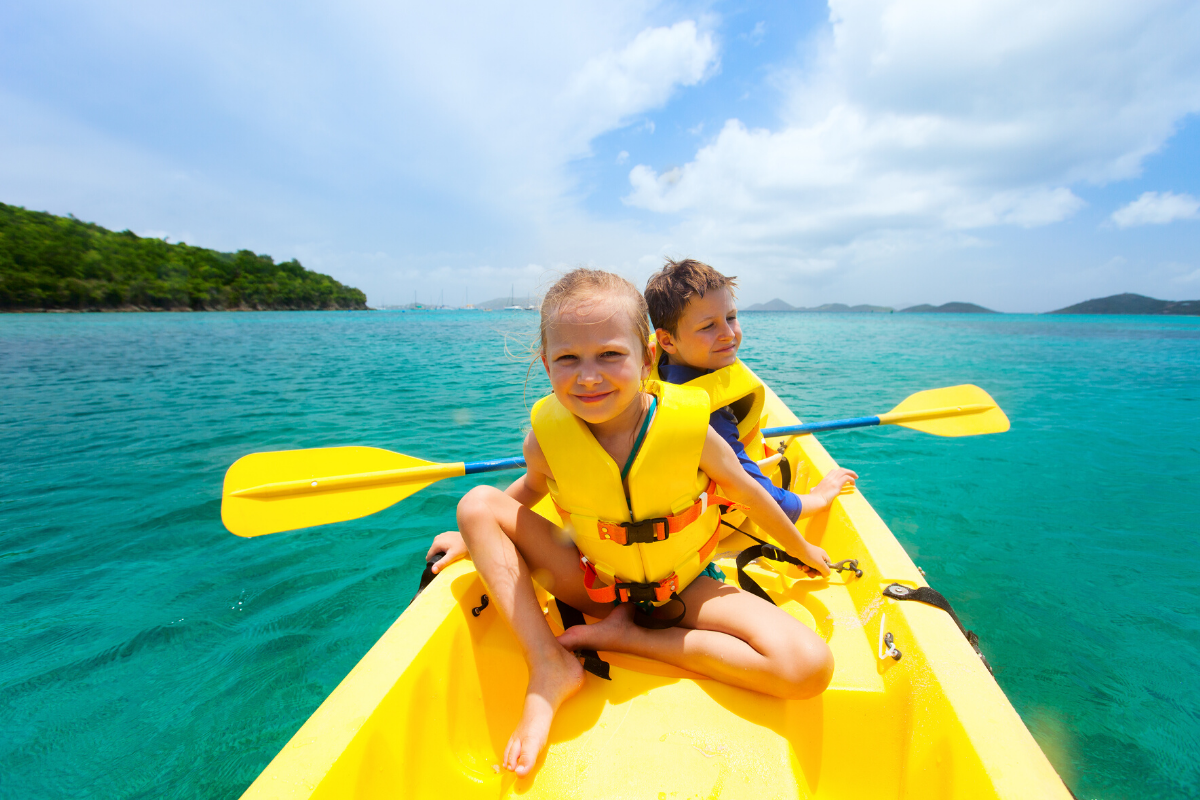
x=1021 y=154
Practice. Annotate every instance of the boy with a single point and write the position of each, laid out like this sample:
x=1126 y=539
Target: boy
x=694 y=313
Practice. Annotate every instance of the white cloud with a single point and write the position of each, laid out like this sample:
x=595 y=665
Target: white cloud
x=372 y=139
x=1188 y=277
x=615 y=85
x=917 y=115
x=755 y=36
x=1153 y=208
x=399 y=145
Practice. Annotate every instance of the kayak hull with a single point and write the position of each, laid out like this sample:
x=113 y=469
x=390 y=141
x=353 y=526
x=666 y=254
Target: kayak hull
x=429 y=709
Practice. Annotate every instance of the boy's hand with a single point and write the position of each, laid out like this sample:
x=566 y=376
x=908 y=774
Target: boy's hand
x=831 y=485
x=451 y=545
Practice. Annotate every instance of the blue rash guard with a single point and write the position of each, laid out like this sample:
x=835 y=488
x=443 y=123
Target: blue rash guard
x=725 y=424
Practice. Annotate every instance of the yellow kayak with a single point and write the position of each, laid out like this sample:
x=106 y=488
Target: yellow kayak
x=914 y=714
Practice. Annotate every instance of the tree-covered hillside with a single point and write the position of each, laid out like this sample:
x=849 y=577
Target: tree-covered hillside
x=50 y=262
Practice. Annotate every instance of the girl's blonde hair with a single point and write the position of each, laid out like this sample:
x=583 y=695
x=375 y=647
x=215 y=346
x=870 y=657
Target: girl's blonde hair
x=583 y=285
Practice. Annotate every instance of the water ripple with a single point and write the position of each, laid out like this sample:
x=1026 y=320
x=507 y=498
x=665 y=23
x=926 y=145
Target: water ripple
x=150 y=653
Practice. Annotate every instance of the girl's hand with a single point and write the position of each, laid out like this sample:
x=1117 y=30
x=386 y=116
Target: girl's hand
x=452 y=547
x=831 y=485
x=815 y=559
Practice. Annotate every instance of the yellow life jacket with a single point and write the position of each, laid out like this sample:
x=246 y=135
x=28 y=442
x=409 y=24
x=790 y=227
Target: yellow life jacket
x=740 y=389
x=667 y=530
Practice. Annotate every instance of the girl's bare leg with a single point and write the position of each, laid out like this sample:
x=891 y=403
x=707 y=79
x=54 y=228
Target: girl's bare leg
x=505 y=539
x=727 y=634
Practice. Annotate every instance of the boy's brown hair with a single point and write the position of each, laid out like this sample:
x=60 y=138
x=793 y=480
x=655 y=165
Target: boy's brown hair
x=669 y=290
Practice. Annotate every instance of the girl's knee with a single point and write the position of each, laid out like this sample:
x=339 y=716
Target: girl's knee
x=802 y=666
x=809 y=669
x=475 y=505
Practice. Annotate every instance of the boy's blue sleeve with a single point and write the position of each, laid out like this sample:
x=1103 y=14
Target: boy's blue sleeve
x=725 y=424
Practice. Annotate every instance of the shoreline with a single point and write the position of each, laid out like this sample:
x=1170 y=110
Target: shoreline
x=152 y=310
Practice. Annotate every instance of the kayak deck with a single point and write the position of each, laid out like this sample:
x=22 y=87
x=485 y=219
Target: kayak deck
x=428 y=711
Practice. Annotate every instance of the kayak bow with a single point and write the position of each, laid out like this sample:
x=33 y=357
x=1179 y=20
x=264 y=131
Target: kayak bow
x=427 y=712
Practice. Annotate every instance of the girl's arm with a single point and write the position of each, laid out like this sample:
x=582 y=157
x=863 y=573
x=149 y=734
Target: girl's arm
x=531 y=487
x=720 y=464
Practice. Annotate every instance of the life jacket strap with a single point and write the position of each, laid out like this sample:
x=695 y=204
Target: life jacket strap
x=659 y=529
x=650 y=592
x=751 y=435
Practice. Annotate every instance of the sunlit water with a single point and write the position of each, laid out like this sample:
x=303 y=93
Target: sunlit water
x=147 y=652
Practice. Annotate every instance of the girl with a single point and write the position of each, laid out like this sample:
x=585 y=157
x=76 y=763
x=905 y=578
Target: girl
x=647 y=529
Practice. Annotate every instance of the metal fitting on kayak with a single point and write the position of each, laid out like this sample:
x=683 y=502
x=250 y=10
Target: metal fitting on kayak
x=483 y=603
x=887 y=646
x=847 y=565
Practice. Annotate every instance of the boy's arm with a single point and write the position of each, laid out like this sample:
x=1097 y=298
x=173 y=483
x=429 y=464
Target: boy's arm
x=720 y=464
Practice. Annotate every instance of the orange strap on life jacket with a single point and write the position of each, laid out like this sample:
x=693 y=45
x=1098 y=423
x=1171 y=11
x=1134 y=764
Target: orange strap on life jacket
x=659 y=528
x=652 y=592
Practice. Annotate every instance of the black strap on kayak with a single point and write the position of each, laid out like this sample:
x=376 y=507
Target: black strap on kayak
x=785 y=472
x=427 y=575
x=761 y=550
x=932 y=597
x=592 y=662
x=774 y=553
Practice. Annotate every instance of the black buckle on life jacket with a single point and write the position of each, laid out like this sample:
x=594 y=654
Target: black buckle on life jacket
x=656 y=592
x=627 y=533
x=637 y=592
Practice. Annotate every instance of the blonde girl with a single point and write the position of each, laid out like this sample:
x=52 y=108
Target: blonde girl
x=594 y=347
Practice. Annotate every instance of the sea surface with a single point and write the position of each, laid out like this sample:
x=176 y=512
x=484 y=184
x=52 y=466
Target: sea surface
x=146 y=652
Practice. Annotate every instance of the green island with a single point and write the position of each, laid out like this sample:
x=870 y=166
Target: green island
x=52 y=263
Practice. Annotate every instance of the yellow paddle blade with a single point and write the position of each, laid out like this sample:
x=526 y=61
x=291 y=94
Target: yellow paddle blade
x=281 y=491
x=963 y=410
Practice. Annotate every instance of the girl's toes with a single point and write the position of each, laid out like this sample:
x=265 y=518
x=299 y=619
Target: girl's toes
x=525 y=760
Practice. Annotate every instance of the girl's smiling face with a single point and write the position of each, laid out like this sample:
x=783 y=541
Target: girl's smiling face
x=595 y=360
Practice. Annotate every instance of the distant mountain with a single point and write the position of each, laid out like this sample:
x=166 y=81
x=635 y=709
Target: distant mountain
x=842 y=308
x=948 y=308
x=774 y=305
x=1129 y=303
x=504 y=302
x=828 y=308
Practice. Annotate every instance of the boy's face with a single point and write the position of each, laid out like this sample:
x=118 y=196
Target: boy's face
x=708 y=335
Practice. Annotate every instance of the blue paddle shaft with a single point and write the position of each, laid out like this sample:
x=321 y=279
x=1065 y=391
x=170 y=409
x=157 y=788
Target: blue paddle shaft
x=828 y=425
x=495 y=465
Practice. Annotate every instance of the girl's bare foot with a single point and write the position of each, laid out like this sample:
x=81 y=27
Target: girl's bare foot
x=616 y=627
x=552 y=680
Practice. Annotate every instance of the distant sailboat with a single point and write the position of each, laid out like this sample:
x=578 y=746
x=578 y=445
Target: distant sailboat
x=512 y=306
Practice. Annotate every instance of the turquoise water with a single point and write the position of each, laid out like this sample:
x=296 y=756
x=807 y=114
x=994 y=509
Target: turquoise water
x=148 y=653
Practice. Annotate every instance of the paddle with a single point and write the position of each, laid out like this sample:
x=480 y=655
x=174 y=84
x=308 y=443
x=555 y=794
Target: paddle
x=281 y=491
x=289 y=489
x=964 y=410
